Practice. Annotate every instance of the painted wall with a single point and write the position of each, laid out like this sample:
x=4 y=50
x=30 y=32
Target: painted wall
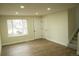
x=55 y=27
x=10 y=40
x=72 y=27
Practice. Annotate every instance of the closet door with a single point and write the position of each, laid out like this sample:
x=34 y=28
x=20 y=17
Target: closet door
x=37 y=28
x=45 y=28
x=31 y=29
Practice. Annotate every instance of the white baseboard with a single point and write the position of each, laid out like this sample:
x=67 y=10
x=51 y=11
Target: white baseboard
x=9 y=43
x=58 y=42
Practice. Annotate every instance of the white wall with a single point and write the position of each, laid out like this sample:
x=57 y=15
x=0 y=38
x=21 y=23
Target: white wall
x=55 y=27
x=11 y=40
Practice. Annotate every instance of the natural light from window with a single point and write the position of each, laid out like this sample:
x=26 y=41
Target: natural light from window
x=17 y=27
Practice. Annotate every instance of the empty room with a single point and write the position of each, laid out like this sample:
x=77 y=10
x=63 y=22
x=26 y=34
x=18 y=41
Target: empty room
x=39 y=29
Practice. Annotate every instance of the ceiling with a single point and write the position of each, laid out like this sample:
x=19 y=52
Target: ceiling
x=32 y=8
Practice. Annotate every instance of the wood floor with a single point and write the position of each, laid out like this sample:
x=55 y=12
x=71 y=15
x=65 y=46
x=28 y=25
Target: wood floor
x=39 y=47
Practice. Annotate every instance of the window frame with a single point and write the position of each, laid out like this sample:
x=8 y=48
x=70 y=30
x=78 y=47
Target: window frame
x=23 y=24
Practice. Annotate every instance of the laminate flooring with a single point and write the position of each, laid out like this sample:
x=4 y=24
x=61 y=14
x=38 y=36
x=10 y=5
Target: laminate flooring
x=38 y=47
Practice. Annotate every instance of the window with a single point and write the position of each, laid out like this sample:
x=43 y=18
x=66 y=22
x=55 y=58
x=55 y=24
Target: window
x=17 y=27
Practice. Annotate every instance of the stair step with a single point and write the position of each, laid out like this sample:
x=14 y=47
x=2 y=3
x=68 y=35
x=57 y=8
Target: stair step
x=75 y=38
x=73 y=46
x=75 y=35
x=74 y=42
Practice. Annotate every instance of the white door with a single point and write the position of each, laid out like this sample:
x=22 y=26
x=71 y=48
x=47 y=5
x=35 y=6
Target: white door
x=45 y=28
x=37 y=28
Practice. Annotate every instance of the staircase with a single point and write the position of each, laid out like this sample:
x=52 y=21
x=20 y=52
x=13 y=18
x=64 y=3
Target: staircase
x=73 y=41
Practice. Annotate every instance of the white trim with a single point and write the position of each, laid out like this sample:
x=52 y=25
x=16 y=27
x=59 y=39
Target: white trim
x=16 y=42
x=58 y=42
